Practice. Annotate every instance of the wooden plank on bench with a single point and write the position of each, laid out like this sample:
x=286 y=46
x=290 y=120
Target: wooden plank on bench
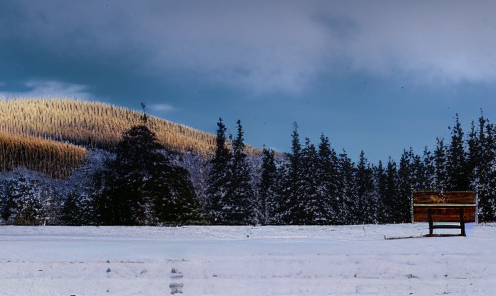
x=434 y=206
x=440 y=206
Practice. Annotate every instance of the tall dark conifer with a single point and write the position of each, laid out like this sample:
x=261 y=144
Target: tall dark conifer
x=219 y=177
x=365 y=211
x=268 y=202
x=482 y=161
x=312 y=203
x=405 y=187
x=391 y=195
x=380 y=178
x=458 y=176
x=141 y=187
x=239 y=201
x=329 y=180
x=347 y=189
x=292 y=191
x=440 y=165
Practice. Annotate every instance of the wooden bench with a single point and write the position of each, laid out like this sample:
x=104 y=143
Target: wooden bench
x=434 y=206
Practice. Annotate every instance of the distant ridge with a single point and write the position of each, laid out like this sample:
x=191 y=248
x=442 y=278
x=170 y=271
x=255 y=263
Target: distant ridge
x=93 y=124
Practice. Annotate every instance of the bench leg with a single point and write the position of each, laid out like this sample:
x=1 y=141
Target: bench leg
x=431 y=224
x=462 y=222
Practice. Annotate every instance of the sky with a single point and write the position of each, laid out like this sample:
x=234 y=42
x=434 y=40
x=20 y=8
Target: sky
x=372 y=76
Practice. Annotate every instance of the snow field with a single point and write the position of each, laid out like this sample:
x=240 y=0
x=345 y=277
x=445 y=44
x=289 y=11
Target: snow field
x=271 y=260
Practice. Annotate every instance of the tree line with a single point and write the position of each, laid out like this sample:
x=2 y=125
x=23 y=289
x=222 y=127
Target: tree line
x=143 y=183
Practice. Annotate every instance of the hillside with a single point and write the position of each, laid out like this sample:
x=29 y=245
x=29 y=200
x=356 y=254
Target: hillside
x=92 y=124
x=49 y=157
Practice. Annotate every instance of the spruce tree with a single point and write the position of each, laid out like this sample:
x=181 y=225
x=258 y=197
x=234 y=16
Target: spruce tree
x=328 y=176
x=430 y=170
x=402 y=203
x=141 y=187
x=440 y=165
x=239 y=201
x=312 y=203
x=292 y=191
x=268 y=204
x=364 y=208
x=458 y=176
x=391 y=193
x=380 y=178
x=74 y=210
x=482 y=161
x=219 y=177
x=347 y=189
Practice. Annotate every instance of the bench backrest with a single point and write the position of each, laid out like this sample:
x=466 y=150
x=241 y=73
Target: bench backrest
x=420 y=214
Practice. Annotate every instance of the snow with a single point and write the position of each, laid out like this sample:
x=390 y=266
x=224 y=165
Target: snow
x=271 y=260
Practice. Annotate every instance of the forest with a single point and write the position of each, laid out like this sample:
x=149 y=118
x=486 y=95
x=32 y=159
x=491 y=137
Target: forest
x=139 y=180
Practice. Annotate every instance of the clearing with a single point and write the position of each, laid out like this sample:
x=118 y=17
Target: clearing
x=269 y=260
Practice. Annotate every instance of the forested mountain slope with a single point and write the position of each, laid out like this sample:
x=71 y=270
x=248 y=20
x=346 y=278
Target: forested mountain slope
x=93 y=124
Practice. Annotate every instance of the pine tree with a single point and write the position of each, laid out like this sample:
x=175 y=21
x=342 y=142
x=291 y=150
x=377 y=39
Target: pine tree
x=141 y=187
x=430 y=170
x=347 y=189
x=364 y=203
x=328 y=176
x=313 y=204
x=292 y=191
x=22 y=201
x=74 y=212
x=440 y=165
x=391 y=193
x=380 y=178
x=268 y=204
x=458 y=176
x=219 y=177
x=239 y=200
x=482 y=161
x=402 y=202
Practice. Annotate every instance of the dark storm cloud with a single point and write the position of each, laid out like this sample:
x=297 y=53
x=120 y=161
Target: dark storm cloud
x=367 y=67
x=258 y=45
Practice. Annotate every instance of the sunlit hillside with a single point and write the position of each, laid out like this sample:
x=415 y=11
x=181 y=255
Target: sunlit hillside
x=52 y=158
x=92 y=124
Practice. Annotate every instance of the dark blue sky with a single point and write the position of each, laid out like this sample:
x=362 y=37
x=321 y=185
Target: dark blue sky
x=378 y=76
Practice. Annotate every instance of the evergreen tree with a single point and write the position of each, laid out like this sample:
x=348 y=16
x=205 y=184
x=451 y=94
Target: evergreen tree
x=430 y=170
x=420 y=179
x=405 y=188
x=380 y=178
x=440 y=165
x=74 y=211
x=219 y=177
x=312 y=203
x=482 y=161
x=239 y=200
x=391 y=194
x=458 y=176
x=267 y=193
x=365 y=210
x=141 y=187
x=347 y=189
x=22 y=203
x=292 y=191
x=328 y=176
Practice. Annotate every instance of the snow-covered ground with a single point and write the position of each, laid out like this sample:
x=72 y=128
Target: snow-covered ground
x=278 y=260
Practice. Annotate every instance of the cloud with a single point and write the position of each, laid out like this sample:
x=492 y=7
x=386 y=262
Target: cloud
x=49 y=89
x=266 y=46
x=161 y=108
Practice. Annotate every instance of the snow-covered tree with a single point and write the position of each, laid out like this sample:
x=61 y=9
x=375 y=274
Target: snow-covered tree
x=328 y=176
x=219 y=177
x=268 y=204
x=141 y=187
